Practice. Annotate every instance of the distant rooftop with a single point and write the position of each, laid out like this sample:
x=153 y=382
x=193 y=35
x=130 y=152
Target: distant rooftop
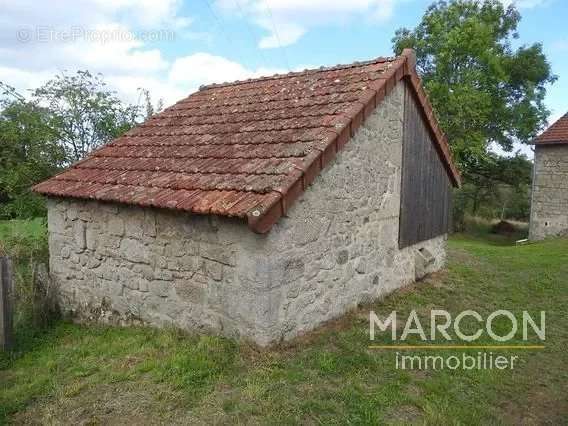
x=555 y=134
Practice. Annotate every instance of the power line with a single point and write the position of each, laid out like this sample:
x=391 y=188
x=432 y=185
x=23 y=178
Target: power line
x=226 y=35
x=277 y=36
x=219 y=24
x=251 y=32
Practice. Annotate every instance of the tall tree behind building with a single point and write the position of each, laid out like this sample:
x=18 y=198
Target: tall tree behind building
x=482 y=89
x=60 y=123
x=84 y=112
x=29 y=152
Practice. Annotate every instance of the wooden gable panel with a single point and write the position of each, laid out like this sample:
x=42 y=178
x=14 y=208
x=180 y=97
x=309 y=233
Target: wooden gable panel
x=426 y=193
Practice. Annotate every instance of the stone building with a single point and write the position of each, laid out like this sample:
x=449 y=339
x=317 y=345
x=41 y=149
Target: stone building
x=341 y=174
x=549 y=207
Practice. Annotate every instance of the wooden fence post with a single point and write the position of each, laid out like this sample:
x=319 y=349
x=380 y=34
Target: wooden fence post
x=6 y=303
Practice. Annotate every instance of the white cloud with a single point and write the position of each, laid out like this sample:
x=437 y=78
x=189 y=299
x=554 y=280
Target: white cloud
x=287 y=33
x=203 y=68
x=70 y=34
x=128 y=87
x=39 y=40
x=286 y=21
x=146 y=13
x=524 y=4
x=517 y=147
x=175 y=81
x=23 y=79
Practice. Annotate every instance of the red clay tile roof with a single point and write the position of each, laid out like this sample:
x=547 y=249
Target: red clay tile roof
x=245 y=149
x=555 y=134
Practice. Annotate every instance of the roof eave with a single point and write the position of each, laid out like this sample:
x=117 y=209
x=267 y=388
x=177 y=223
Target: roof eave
x=262 y=217
x=542 y=143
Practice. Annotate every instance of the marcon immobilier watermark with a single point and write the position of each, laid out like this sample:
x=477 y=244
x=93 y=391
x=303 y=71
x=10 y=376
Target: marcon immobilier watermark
x=443 y=325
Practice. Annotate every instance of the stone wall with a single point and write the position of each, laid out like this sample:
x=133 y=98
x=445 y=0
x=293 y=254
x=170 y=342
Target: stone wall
x=124 y=264
x=337 y=247
x=549 y=211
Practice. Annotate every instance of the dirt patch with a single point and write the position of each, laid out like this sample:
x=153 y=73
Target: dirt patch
x=421 y=374
x=540 y=407
x=462 y=257
x=404 y=414
x=113 y=404
x=414 y=391
x=437 y=279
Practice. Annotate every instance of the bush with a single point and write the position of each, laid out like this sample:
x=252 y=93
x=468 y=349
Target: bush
x=493 y=230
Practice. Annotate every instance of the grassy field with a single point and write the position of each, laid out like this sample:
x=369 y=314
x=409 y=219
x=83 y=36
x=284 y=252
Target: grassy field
x=74 y=374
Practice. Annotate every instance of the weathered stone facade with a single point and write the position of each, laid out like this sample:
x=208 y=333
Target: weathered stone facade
x=337 y=247
x=549 y=211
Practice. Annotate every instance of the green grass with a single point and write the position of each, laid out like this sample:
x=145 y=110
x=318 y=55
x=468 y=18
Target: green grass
x=25 y=242
x=11 y=229
x=73 y=373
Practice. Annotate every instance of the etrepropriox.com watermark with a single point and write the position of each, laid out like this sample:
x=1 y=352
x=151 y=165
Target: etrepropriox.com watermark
x=50 y=34
x=500 y=326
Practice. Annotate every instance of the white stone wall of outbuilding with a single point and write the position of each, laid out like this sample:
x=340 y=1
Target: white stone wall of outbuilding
x=549 y=207
x=337 y=247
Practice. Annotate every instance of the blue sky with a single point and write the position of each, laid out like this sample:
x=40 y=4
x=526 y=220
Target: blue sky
x=171 y=47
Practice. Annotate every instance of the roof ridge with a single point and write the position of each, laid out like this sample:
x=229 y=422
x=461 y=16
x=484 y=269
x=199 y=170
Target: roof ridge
x=248 y=189
x=306 y=71
x=308 y=144
x=182 y=172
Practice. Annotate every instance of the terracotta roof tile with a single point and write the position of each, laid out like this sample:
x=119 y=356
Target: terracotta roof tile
x=555 y=134
x=244 y=149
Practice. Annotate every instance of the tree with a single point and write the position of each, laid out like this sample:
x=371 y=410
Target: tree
x=62 y=122
x=84 y=113
x=29 y=153
x=497 y=185
x=482 y=90
x=149 y=108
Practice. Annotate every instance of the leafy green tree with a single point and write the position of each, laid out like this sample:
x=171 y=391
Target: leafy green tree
x=497 y=187
x=84 y=113
x=482 y=89
x=29 y=153
x=61 y=123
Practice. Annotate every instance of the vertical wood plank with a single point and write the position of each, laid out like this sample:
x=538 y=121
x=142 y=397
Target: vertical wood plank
x=426 y=187
x=6 y=304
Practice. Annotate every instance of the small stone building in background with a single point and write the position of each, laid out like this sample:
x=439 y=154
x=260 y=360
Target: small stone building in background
x=549 y=207
x=341 y=174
